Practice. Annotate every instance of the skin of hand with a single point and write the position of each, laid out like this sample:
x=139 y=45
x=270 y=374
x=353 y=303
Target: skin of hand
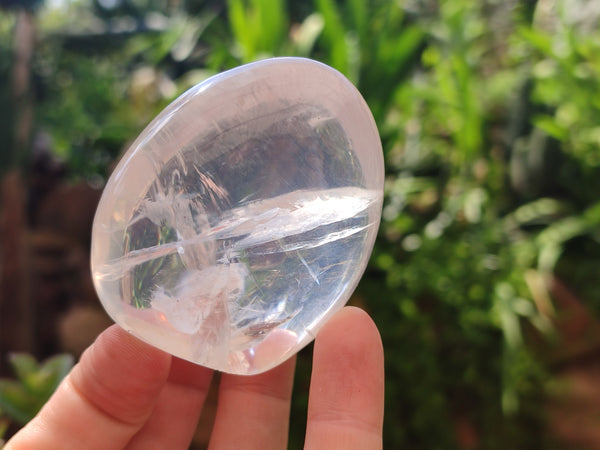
x=125 y=394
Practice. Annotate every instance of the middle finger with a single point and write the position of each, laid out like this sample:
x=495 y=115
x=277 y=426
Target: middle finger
x=253 y=411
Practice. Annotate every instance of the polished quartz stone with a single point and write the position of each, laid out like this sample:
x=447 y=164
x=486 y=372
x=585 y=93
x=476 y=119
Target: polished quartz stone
x=243 y=216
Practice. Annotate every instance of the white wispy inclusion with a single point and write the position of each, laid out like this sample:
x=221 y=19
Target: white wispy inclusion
x=260 y=222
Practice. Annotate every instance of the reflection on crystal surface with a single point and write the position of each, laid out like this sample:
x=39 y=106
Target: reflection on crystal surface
x=243 y=216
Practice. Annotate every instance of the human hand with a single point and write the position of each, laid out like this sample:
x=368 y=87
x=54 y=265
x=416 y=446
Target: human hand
x=126 y=394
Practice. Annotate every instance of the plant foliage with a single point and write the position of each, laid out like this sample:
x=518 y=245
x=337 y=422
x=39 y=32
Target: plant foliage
x=23 y=397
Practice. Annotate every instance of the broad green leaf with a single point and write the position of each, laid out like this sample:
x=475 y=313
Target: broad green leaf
x=51 y=372
x=16 y=402
x=23 y=364
x=550 y=126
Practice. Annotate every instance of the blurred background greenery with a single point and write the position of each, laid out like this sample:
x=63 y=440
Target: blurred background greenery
x=484 y=278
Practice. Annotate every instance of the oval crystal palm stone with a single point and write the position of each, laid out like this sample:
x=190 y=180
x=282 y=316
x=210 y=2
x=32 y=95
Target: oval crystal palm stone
x=243 y=216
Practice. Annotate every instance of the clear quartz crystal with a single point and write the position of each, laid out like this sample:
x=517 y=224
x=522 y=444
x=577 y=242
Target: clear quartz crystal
x=243 y=216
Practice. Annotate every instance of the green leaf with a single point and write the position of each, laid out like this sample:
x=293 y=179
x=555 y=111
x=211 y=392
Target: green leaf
x=241 y=27
x=563 y=230
x=16 y=402
x=542 y=210
x=394 y=53
x=273 y=23
x=23 y=364
x=592 y=215
x=540 y=40
x=360 y=15
x=51 y=372
x=550 y=126
x=258 y=26
x=21 y=399
x=335 y=35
